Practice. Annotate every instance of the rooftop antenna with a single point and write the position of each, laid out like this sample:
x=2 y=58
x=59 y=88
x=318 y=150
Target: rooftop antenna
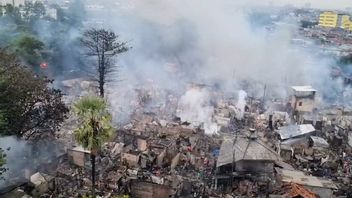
x=233 y=158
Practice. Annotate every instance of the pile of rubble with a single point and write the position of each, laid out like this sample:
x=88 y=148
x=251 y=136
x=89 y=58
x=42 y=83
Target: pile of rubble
x=169 y=157
x=288 y=149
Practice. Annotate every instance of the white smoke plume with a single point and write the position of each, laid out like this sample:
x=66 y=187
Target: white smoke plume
x=22 y=155
x=241 y=104
x=212 y=42
x=194 y=107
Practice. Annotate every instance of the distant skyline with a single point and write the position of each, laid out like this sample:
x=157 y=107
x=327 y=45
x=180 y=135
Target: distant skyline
x=324 y=4
x=17 y=2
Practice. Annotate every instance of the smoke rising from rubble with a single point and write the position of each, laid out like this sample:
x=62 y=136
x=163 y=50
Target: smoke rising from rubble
x=22 y=156
x=241 y=103
x=195 y=108
x=211 y=42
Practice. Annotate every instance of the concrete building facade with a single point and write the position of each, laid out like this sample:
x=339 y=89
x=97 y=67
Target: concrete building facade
x=335 y=20
x=328 y=19
x=303 y=98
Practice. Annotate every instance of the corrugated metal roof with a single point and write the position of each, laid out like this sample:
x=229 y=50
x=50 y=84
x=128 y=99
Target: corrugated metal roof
x=291 y=131
x=319 y=142
x=299 y=177
x=303 y=88
x=245 y=149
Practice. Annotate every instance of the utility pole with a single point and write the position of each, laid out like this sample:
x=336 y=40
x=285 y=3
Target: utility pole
x=264 y=94
x=233 y=160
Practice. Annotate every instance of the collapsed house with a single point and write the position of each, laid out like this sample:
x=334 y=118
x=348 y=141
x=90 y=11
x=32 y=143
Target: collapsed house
x=157 y=155
x=295 y=139
x=320 y=187
x=149 y=190
x=294 y=131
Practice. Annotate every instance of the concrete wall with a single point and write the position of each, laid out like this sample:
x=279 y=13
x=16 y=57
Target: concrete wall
x=78 y=158
x=131 y=159
x=328 y=19
x=303 y=104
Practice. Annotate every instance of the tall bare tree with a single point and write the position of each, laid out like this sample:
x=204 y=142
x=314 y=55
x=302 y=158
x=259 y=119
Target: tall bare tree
x=104 y=45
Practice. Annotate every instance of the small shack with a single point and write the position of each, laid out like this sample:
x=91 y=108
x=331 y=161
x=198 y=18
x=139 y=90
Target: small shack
x=247 y=154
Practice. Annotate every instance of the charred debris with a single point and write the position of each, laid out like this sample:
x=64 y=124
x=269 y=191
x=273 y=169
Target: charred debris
x=286 y=148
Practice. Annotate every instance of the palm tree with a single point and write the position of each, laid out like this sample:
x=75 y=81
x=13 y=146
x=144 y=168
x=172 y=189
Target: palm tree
x=95 y=127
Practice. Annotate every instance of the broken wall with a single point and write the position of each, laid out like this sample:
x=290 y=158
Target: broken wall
x=303 y=104
x=149 y=190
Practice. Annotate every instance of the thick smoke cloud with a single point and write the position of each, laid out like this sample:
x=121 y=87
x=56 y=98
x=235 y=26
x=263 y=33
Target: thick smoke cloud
x=195 y=107
x=211 y=42
x=24 y=157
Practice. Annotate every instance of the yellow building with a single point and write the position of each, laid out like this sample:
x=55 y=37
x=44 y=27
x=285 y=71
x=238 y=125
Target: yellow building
x=335 y=20
x=328 y=19
x=346 y=22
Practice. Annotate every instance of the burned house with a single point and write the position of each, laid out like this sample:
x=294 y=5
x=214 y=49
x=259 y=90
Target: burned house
x=320 y=187
x=245 y=157
x=79 y=156
x=295 y=138
x=294 y=131
x=302 y=100
x=149 y=190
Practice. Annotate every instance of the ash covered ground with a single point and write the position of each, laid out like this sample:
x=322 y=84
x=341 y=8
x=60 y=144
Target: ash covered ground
x=214 y=99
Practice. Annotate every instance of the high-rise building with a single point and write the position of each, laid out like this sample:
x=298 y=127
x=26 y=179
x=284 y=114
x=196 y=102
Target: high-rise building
x=346 y=22
x=328 y=19
x=335 y=20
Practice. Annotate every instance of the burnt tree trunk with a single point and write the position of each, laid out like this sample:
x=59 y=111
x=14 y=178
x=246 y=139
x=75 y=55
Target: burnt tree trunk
x=104 y=45
x=102 y=75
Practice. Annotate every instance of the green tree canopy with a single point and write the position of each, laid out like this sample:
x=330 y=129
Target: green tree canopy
x=33 y=11
x=29 y=49
x=29 y=106
x=13 y=14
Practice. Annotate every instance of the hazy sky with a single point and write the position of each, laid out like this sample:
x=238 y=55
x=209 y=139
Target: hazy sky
x=326 y=4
